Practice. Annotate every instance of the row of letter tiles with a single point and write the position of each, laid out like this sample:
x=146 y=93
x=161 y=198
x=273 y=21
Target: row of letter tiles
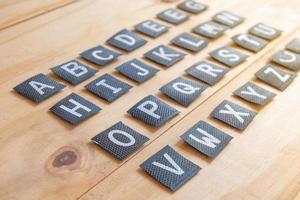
x=210 y=141
x=153 y=111
x=205 y=138
x=75 y=72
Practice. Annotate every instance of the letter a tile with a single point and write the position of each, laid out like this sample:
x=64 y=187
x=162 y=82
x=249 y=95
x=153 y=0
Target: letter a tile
x=38 y=88
x=120 y=140
x=153 y=111
x=170 y=168
x=74 y=109
x=233 y=115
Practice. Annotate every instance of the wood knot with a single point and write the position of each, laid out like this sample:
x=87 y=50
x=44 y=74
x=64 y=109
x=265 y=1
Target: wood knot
x=64 y=159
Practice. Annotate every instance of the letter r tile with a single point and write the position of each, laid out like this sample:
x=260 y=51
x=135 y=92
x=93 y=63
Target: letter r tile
x=170 y=168
x=233 y=115
x=120 y=140
x=153 y=111
x=74 y=109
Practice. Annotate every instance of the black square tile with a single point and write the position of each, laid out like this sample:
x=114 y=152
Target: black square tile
x=120 y=140
x=74 y=109
x=170 y=168
x=38 y=88
x=108 y=87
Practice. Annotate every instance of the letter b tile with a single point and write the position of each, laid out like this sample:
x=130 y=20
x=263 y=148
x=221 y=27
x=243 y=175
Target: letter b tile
x=153 y=111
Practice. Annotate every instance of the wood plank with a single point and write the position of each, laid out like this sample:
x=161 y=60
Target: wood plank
x=30 y=135
x=260 y=163
x=12 y=12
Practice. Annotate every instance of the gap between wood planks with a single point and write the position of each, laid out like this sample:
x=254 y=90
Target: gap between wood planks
x=35 y=14
x=279 y=42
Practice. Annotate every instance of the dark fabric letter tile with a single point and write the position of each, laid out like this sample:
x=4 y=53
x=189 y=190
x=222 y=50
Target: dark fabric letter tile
x=249 y=42
x=151 y=28
x=74 y=72
x=233 y=115
x=275 y=77
x=137 y=70
x=74 y=109
x=170 y=168
x=38 y=88
x=190 y=42
x=206 y=138
x=287 y=59
x=254 y=94
x=120 y=140
x=210 y=30
x=183 y=91
x=228 y=19
x=207 y=72
x=265 y=32
x=164 y=55
x=294 y=45
x=100 y=55
x=126 y=40
x=228 y=56
x=192 y=6
x=173 y=16
x=153 y=111
x=108 y=87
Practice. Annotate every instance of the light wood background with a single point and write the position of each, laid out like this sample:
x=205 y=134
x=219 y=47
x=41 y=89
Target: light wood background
x=260 y=163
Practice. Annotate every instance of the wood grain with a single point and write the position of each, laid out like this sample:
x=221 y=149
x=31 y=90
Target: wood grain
x=260 y=163
x=15 y=11
x=31 y=137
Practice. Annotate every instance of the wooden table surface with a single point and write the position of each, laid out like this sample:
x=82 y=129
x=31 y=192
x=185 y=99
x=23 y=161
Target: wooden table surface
x=263 y=162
